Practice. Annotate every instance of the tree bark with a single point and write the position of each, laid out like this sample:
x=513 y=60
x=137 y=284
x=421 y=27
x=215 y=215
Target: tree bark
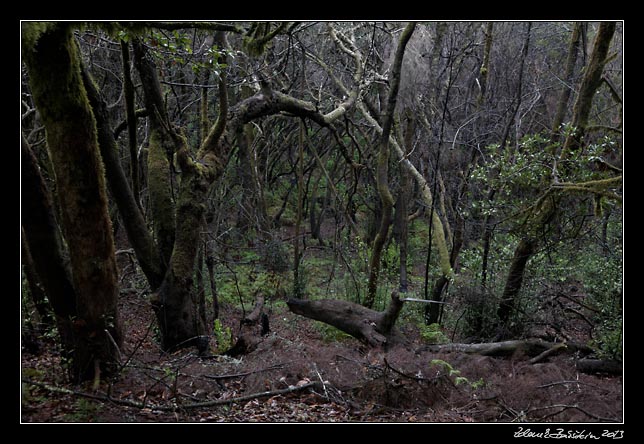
x=146 y=250
x=566 y=89
x=547 y=208
x=163 y=144
x=589 y=84
x=401 y=226
x=38 y=296
x=42 y=239
x=372 y=327
x=130 y=112
x=57 y=87
x=382 y=168
x=524 y=250
x=434 y=310
x=248 y=339
x=600 y=366
x=530 y=347
x=485 y=66
x=253 y=196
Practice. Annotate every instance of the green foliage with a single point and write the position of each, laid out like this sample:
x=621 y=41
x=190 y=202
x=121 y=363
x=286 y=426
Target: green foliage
x=275 y=256
x=609 y=338
x=330 y=333
x=448 y=370
x=84 y=410
x=223 y=336
x=31 y=32
x=432 y=334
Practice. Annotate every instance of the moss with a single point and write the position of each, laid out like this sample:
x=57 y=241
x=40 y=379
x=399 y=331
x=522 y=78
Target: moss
x=61 y=99
x=438 y=238
x=31 y=32
x=161 y=203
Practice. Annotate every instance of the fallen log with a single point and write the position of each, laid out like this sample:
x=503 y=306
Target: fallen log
x=599 y=366
x=530 y=347
x=370 y=326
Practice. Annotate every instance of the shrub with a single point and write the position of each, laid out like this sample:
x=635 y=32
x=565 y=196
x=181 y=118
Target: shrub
x=432 y=334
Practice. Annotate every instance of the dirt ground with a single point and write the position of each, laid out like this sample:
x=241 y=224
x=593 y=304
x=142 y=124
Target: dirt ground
x=296 y=374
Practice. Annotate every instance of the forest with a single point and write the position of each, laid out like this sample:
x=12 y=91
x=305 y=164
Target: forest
x=321 y=221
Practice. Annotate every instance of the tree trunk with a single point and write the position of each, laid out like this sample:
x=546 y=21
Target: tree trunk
x=437 y=292
x=130 y=112
x=210 y=263
x=434 y=310
x=529 y=347
x=485 y=66
x=372 y=327
x=517 y=99
x=38 y=296
x=600 y=366
x=382 y=169
x=522 y=254
x=548 y=207
x=163 y=144
x=255 y=214
x=176 y=303
x=57 y=87
x=137 y=231
x=401 y=226
x=401 y=217
x=589 y=84
x=566 y=89
x=43 y=241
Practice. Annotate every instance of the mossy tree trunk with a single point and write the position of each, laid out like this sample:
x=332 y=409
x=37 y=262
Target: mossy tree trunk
x=42 y=240
x=433 y=312
x=130 y=112
x=382 y=169
x=53 y=61
x=522 y=253
x=485 y=65
x=589 y=85
x=164 y=142
x=38 y=296
x=145 y=248
x=566 y=89
x=401 y=216
x=177 y=226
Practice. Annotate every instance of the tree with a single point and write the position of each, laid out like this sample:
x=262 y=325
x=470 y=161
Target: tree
x=383 y=168
x=42 y=242
x=52 y=58
x=175 y=300
x=215 y=139
x=548 y=204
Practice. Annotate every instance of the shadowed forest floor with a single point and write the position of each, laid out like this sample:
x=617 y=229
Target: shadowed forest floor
x=355 y=383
